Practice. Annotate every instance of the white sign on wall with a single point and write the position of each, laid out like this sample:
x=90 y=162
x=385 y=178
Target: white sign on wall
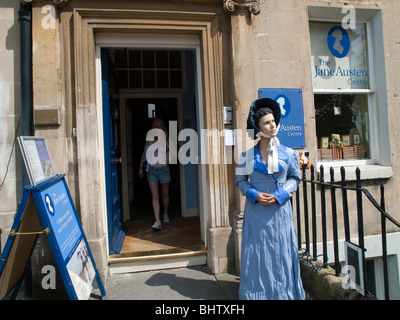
x=338 y=57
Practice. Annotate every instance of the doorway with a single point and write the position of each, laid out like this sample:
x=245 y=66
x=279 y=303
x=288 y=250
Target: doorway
x=168 y=85
x=135 y=123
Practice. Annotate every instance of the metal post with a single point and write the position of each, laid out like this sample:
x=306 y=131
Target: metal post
x=313 y=212
x=323 y=214
x=334 y=223
x=25 y=18
x=384 y=245
x=345 y=206
x=298 y=218
x=360 y=220
x=305 y=203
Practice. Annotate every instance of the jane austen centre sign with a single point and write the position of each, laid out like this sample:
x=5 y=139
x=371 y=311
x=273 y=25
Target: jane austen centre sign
x=291 y=132
x=338 y=57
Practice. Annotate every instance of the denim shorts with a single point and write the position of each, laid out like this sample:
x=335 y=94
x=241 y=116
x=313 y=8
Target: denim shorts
x=161 y=175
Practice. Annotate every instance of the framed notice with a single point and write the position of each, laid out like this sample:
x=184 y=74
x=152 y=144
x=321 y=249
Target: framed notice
x=354 y=266
x=37 y=159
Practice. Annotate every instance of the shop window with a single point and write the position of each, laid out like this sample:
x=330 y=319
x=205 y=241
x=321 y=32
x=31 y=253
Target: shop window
x=342 y=126
x=150 y=69
x=342 y=91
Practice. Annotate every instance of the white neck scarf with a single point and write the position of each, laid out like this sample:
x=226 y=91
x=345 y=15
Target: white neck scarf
x=273 y=161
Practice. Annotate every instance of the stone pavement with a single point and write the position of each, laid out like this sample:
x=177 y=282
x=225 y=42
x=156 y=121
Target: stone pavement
x=190 y=283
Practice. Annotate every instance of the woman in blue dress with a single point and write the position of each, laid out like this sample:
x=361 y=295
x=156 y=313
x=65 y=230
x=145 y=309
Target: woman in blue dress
x=268 y=176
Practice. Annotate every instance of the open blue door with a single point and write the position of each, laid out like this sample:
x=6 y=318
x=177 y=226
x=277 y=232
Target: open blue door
x=112 y=155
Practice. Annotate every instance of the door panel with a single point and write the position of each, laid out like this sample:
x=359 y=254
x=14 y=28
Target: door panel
x=189 y=119
x=112 y=155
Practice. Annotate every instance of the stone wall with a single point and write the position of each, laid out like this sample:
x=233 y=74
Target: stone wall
x=10 y=112
x=324 y=285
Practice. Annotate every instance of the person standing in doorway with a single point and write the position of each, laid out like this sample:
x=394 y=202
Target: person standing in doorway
x=269 y=176
x=156 y=155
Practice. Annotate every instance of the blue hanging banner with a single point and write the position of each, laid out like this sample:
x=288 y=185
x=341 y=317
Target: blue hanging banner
x=291 y=132
x=52 y=201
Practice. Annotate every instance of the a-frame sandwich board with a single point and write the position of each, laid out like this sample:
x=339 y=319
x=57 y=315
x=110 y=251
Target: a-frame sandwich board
x=49 y=206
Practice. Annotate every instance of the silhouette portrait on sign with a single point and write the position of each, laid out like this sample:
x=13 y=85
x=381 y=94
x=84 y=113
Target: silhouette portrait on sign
x=338 y=41
x=281 y=101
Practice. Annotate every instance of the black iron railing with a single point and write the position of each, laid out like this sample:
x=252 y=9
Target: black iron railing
x=323 y=187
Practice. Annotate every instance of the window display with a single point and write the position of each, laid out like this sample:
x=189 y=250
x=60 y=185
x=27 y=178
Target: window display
x=342 y=124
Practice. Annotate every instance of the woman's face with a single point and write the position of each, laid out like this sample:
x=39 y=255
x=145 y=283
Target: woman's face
x=157 y=125
x=267 y=125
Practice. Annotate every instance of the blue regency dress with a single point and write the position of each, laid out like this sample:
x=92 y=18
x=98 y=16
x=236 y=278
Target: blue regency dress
x=269 y=260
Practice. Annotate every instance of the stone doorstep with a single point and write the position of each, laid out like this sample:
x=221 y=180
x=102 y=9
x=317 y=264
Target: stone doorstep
x=157 y=262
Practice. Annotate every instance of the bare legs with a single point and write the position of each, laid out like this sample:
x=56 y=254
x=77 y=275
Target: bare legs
x=155 y=198
x=165 y=195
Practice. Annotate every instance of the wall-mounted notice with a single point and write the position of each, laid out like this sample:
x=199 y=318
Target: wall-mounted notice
x=291 y=132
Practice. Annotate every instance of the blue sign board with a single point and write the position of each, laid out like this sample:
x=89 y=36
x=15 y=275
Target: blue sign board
x=65 y=234
x=291 y=132
x=62 y=218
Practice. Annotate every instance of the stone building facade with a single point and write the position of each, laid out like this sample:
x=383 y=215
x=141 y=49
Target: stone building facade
x=228 y=51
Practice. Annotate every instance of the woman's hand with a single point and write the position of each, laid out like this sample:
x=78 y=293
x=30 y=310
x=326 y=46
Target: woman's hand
x=265 y=198
x=140 y=172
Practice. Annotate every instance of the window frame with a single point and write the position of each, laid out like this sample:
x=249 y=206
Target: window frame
x=127 y=68
x=379 y=138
